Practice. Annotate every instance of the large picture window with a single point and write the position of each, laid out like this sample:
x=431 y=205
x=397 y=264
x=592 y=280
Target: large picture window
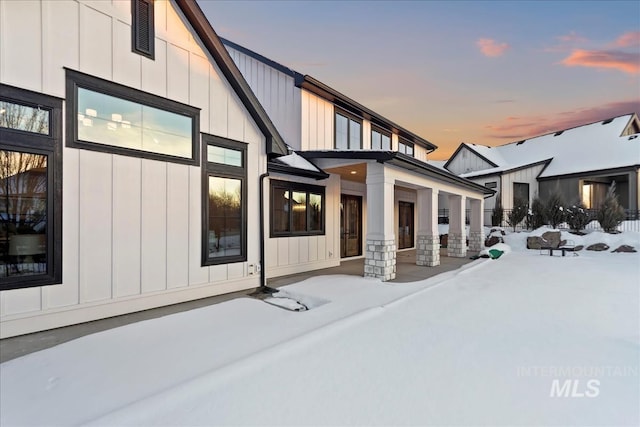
x=520 y=192
x=348 y=132
x=296 y=209
x=225 y=201
x=30 y=189
x=106 y=116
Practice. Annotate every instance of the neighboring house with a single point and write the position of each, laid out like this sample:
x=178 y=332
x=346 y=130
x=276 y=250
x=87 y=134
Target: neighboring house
x=380 y=195
x=150 y=146
x=582 y=162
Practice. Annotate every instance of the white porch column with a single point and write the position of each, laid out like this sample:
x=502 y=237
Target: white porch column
x=457 y=241
x=476 y=230
x=428 y=244
x=380 y=258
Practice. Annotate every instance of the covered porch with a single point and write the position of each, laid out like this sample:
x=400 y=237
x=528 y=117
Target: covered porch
x=398 y=197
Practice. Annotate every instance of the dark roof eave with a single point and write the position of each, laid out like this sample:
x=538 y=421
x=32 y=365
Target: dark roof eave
x=309 y=83
x=290 y=170
x=274 y=142
x=402 y=160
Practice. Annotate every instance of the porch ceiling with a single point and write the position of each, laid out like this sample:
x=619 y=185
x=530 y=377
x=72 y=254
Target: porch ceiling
x=356 y=172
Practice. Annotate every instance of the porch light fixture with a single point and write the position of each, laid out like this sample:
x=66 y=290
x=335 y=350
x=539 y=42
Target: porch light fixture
x=353 y=172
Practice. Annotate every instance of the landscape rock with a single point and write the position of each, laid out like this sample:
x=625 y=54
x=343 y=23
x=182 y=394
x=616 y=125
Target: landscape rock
x=548 y=239
x=625 y=248
x=493 y=240
x=598 y=247
x=578 y=248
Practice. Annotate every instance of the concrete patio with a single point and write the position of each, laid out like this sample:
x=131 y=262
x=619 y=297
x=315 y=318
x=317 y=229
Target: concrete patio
x=407 y=271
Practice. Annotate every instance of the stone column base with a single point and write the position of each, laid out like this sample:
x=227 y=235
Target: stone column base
x=457 y=245
x=428 y=250
x=476 y=241
x=380 y=259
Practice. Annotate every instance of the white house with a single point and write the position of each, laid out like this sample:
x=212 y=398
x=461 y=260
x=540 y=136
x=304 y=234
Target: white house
x=147 y=149
x=582 y=162
x=380 y=195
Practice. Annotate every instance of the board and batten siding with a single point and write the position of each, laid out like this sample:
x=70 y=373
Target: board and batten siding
x=277 y=93
x=317 y=123
x=131 y=227
x=467 y=161
x=527 y=175
x=290 y=255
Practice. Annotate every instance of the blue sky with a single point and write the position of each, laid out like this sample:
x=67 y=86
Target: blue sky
x=483 y=72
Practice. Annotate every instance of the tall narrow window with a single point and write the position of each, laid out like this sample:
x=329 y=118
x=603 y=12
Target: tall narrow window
x=348 y=132
x=30 y=189
x=142 y=28
x=224 y=201
x=380 y=140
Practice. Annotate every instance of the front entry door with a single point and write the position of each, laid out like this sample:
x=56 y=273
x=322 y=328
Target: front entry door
x=350 y=226
x=405 y=226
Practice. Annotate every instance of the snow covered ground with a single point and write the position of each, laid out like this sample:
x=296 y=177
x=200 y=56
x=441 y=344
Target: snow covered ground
x=522 y=340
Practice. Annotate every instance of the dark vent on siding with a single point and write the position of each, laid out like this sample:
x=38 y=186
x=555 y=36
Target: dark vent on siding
x=558 y=133
x=607 y=121
x=142 y=28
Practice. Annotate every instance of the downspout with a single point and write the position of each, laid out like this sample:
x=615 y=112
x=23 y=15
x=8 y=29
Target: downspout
x=263 y=277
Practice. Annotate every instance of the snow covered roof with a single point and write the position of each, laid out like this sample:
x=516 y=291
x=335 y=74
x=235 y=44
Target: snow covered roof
x=595 y=146
x=298 y=162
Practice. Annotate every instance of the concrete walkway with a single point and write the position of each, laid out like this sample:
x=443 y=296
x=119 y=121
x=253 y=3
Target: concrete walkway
x=407 y=271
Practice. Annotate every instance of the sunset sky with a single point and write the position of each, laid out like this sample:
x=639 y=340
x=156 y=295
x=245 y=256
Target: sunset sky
x=455 y=71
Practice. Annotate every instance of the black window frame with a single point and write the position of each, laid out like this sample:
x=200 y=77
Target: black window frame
x=382 y=132
x=350 y=118
x=515 y=193
x=219 y=170
x=76 y=79
x=406 y=143
x=297 y=187
x=51 y=146
x=137 y=27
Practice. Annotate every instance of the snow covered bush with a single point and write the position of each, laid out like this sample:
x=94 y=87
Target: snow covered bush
x=610 y=214
x=497 y=215
x=554 y=209
x=518 y=213
x=578 y=217
x=536 y=215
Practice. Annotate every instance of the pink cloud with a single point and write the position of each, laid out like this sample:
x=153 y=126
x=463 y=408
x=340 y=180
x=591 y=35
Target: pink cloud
x=572 y=37
x=631 y=38
x=491 y=48
x=517 y=128
x=621 y=61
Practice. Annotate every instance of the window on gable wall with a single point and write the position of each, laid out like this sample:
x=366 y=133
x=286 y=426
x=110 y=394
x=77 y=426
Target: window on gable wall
x=224 y=201
x=348 y=132
x=142 y=28
x=108 y=117
x=30 y=189
x=380 y=140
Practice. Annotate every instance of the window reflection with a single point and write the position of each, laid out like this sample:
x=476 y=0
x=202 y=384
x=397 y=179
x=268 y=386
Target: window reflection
x=109 y=120
x=225 y=217
x=299 y=211
x=224 y=156
x=22 y=117
x=23 y=213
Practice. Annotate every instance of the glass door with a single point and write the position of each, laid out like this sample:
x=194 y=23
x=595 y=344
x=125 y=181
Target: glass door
x=405 y=226
x=350 y=226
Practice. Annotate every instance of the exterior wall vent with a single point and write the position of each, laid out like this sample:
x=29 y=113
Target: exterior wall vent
x=142 y=28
